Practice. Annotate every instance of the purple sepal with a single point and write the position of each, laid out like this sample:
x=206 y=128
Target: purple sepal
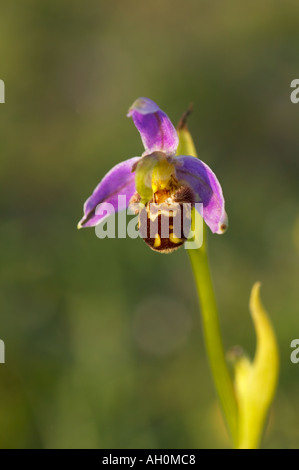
x=207 y=190
x=119 y=181
x=156 y=130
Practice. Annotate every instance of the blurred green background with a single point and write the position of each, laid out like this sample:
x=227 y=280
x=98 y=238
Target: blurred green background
x=103 y=338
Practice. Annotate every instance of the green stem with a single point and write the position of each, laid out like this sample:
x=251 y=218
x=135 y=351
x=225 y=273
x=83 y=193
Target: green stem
x=212 y=334
x=205 y=290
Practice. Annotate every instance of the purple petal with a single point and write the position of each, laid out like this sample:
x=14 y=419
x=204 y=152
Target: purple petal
x=120 y=181
x=207 y=190
x=156 y=130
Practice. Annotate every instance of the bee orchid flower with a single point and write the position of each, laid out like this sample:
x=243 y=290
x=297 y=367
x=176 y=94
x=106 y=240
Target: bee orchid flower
x=159 y=178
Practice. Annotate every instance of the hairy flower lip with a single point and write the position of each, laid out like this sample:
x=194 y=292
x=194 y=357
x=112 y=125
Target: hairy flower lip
x=160 y=140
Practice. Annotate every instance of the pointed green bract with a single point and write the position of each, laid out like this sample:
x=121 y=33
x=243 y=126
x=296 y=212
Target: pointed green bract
x=256 y=381
x=186 y=145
